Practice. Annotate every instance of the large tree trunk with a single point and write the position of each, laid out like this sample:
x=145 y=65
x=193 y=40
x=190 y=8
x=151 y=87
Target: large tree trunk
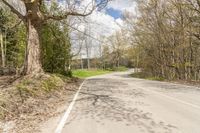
x=32 y=61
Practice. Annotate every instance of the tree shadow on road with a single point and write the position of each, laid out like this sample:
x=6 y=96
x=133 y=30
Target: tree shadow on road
x=98 y=101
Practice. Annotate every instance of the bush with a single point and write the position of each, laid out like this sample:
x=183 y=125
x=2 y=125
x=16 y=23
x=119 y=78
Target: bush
x=144 y=75
x=156 y=78
x=138 y=75
x=52 y=83
x=39 y=86
x=120 y=68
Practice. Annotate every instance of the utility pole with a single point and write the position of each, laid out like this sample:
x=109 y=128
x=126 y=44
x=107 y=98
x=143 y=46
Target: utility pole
x=87 y=53
x=87 y=45
x=81 y=61
x=101 y=56
x=2 y=49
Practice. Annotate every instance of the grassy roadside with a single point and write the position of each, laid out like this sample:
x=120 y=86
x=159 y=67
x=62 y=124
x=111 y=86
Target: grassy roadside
x=32 y=99
x=89 y=73
x=145 y=76
x=23 y=89
x=118 y=69
x=142 y=75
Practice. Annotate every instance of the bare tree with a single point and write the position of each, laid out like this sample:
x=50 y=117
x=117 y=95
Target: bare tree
x=166 y=34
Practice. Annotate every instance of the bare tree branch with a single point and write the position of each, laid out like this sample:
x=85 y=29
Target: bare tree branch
x=55 y=17
x=13 y=9
x=100 y=5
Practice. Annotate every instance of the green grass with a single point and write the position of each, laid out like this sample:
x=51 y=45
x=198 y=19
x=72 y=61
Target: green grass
x=88 y=73
x=35 y=86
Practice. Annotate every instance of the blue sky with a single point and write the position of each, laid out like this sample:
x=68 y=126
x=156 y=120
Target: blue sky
x=114 y=13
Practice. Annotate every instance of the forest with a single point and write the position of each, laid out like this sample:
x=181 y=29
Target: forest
x=166 y=38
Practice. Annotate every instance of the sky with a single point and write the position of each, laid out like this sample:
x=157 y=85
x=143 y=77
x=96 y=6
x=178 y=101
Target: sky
x=116 y=14
x=115 y=8
x=109 y=18
x=107 y=21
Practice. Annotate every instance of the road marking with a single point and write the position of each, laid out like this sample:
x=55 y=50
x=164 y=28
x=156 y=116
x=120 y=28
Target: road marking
x=66 y=115
x=174 y=99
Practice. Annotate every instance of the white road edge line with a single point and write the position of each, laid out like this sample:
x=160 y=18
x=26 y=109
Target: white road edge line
x=67 y=113
x=174 y=99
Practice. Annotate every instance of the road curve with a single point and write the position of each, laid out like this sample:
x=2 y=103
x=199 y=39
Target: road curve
x=116 y=103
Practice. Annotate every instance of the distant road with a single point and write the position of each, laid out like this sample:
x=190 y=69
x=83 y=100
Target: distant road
x=116 y=103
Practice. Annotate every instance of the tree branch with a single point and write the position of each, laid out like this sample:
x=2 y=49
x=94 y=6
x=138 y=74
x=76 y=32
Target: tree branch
x=61 y=17
x=13 y=9
x=102 y=4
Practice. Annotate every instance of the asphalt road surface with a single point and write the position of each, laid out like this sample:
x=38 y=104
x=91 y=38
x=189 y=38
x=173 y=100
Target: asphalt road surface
x=116 y=103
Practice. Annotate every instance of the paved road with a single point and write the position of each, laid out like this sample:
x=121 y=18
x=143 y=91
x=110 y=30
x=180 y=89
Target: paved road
x=116 y=103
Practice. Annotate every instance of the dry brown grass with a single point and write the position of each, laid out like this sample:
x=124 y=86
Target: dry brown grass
x=29 y=100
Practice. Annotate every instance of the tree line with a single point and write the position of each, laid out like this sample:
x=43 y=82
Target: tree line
x=165 y=37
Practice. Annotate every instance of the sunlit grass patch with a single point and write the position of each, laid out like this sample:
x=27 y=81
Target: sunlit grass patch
x=88 y=73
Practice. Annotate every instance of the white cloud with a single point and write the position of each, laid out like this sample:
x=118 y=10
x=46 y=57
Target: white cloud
x=122 y=5
x=102 y=24
x=98 y=24
x=119 y=21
